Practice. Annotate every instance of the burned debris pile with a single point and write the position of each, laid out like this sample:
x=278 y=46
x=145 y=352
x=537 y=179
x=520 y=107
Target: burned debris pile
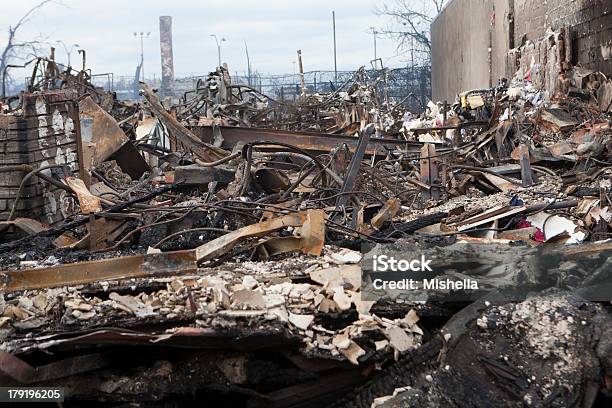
x=213 y=245
x=358 y=101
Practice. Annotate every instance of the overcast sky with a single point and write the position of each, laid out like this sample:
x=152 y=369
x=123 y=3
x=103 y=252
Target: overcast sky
x=273 y=30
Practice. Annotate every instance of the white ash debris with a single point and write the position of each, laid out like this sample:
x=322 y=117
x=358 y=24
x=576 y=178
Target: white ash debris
x=26 y=308
x=345 y=256
x=474 y=200
x=547 y=327
x=249 y=290
x=381 y=400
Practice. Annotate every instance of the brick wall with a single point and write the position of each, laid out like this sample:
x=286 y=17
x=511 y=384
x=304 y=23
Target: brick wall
x=591 y=22
x=463 y=33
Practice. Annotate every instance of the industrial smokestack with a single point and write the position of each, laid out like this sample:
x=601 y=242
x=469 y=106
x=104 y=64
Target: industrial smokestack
x=167 y=61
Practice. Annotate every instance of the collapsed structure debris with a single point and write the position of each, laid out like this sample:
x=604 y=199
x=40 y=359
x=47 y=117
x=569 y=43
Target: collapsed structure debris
x=358 y=101
x=225 y=234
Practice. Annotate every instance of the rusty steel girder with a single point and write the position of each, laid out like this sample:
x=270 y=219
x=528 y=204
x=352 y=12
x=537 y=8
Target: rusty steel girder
x=126 y=267
x=311 y=141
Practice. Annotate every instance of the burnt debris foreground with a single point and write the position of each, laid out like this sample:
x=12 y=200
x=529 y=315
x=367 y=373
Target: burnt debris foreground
x=155 y=252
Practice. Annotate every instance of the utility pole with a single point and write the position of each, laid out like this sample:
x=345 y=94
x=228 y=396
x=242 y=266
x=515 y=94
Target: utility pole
x=335 y=55
x=142 y=36
x=68 y=51
x=246 y=49
x=374 y=32
x=218 y=46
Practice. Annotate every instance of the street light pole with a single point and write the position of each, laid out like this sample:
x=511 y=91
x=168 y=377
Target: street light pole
x=68 y=51
x=218 y=46
x=142 y=36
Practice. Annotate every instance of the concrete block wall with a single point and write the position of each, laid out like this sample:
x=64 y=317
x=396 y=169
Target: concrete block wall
x=45 y=134
x=462 y=35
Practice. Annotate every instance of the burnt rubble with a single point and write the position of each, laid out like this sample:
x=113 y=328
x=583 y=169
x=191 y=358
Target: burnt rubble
x=157 y=252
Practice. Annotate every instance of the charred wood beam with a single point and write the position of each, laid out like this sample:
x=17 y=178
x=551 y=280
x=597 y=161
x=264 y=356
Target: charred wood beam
x=18 y=370
x=400 y=374
x=411 y=226
x=320 y=392
x=57 y=231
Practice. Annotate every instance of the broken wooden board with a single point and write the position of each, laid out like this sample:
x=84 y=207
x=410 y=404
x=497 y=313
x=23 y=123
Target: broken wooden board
x=429 y=170
x=89 y=203
x=102 y=232
x=523 y=234
x=500 y=183
x=26 y=225
x=493 y=214
x=386 y=213
x=557 y=119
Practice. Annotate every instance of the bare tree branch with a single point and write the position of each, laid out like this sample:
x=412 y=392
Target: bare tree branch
x=26 y=16
x=13 y=50
x=410 y=22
